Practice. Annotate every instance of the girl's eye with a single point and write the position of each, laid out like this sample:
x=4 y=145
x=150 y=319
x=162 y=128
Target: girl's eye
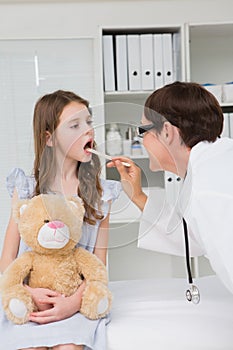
x=90 y=122
x=75 y=126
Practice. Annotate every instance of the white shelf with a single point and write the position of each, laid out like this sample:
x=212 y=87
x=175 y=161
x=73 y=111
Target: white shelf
x=229 y=104
x=126 y=95
x=122 y=95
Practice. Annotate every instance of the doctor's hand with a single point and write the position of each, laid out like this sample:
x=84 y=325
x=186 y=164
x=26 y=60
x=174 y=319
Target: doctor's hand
x=58 y=307
x=130 y=180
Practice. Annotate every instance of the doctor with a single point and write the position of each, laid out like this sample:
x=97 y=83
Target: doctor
x=181 y=129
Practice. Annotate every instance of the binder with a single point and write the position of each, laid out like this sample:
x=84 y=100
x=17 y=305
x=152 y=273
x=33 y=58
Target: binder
x=226 y=129
x=121 y=63
x=231 y=125
x=108 y=63
x=214 y=89
x=158 y=61
x=227 y=92
x=176 y=49
x=134 y=62
x=147 y=69
x=167 y=58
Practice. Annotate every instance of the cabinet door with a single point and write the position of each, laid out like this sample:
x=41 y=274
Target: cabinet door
x=29 y=69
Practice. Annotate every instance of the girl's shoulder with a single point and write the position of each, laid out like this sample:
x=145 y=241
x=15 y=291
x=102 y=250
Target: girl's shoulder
x=111 y=190
x=24 y=184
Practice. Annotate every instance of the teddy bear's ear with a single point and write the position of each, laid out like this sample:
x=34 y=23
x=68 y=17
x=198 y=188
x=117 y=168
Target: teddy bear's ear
x=19 y=208
x=22 y=208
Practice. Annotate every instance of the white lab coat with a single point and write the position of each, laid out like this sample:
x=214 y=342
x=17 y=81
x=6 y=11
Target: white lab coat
x=206 y=203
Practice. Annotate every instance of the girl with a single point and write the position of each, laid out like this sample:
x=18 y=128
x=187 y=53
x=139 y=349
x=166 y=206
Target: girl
x=63 y=131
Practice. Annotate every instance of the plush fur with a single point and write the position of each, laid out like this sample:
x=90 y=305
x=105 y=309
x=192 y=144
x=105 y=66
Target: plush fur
x=51 y=226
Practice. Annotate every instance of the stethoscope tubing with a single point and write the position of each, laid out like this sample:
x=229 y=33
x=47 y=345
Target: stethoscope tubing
x=192 y=294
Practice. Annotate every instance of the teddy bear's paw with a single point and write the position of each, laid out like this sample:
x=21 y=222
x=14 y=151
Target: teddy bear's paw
x=103 y=306
x=18 y=308
x=96 y=301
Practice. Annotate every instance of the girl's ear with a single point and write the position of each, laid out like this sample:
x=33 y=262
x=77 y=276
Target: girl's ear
x=49 y=141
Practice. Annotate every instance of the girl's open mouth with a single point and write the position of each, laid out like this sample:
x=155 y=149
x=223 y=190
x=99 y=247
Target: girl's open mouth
x=88 y=145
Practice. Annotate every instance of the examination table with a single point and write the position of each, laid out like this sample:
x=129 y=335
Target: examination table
x=154 y=315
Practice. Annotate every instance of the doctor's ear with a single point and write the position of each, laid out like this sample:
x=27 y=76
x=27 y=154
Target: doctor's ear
x=49 y=141
x=168 y=132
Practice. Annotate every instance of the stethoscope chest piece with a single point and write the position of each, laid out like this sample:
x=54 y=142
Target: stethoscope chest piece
x=193 y=294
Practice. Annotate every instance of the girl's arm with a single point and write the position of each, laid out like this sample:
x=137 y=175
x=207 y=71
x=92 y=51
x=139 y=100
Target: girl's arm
x=11 y=241
x=101 y=245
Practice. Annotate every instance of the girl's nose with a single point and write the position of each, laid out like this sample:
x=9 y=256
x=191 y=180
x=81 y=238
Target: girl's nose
x=88 y=129
x=56 y=224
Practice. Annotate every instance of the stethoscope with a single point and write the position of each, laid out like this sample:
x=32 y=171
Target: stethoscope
x=192 y=294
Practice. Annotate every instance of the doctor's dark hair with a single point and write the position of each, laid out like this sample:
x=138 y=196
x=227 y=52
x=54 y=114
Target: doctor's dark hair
x=47 y=112
x=189 y=107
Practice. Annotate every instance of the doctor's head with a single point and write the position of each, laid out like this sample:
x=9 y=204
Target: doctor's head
x=177 y=117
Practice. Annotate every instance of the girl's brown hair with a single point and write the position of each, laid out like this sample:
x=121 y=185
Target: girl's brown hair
x=46 y=119
x=189 y=107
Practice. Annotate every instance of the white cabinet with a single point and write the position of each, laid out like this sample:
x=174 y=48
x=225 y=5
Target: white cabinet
x=125 y=108
x=205 y=56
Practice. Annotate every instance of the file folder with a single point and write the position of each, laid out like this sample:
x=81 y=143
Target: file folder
x=158 y=61
x=167 y=58
x=121 y=63
x=147 y=69
x=108 y=63
x=134 y=62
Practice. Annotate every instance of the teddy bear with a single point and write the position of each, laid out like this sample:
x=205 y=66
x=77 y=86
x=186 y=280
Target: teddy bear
x=51 y=225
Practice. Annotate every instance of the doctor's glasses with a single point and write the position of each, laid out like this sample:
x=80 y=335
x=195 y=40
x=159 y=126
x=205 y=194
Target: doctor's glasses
x=142 y=129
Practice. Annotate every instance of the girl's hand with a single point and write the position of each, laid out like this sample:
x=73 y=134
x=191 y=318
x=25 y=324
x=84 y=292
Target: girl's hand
x=58 y=307
x=39 y=294
x=130 y=180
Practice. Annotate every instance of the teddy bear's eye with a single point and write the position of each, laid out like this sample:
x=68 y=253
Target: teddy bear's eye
x=46 y=221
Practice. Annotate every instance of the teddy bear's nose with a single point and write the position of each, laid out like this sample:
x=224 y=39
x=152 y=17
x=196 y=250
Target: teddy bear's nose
x=56 y=224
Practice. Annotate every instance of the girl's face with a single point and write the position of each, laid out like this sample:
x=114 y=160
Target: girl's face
x=74 y=133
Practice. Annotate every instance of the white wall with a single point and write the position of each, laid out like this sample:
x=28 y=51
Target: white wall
x=84 y=17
